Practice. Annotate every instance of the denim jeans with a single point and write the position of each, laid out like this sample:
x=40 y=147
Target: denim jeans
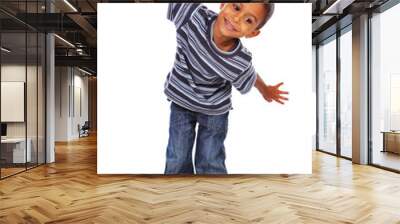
x=210 y=150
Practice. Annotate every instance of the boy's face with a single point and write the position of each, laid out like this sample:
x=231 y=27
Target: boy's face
x=238 y=20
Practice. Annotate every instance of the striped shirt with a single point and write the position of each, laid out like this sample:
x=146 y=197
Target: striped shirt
x=202 y=75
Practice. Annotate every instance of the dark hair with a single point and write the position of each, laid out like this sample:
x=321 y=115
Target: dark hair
x=269 y=7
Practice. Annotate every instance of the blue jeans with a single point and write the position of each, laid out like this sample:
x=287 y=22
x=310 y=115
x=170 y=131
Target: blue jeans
x=210 y=150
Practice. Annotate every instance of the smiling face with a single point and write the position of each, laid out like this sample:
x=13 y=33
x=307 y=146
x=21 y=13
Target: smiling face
x=237 y=20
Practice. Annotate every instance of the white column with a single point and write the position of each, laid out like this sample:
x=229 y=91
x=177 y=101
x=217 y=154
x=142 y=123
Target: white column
x=360 y=90
x=50 y=94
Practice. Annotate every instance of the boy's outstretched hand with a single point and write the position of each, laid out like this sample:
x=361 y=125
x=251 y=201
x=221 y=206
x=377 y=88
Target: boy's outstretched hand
x=271 y=93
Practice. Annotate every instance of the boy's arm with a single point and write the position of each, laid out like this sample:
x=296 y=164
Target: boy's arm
x=180 y=13
x=270 y=93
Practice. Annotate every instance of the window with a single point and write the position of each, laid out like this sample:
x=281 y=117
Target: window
x=346 y=93
x=385 y=88
x=327 y=96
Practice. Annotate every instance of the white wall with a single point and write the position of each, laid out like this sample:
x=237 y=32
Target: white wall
x=61 y=103
x=68 y=81
x=16 y=72
x=80 y=83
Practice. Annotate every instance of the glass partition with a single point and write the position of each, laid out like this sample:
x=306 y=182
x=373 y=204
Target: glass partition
x=22 y=77
x=33 y=64
x=327 y=96
x=14 y=153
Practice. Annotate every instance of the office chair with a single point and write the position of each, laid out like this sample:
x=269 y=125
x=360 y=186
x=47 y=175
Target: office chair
x=84 y=130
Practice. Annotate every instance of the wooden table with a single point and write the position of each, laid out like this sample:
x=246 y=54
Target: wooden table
x=391 y=141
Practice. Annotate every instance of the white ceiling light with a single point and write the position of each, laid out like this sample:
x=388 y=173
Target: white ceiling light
x=65 y=41
x=70 y=5
x=79 y=51
x=338 y=6
x=5 y=50
x=86 y=72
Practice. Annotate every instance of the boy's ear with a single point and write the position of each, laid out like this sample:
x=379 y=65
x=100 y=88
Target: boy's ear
x=222 y=5
x=253 y=34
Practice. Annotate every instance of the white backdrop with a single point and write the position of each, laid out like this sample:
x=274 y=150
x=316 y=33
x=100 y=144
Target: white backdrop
x=136 y=50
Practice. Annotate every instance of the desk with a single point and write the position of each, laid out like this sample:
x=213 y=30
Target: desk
x=391 y=141
x=16 y=151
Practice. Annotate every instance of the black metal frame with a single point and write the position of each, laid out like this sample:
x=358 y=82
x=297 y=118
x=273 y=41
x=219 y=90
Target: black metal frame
x=45 y=90
x=37 y=164
x=369 y=90
x=0 y=89
x=317 y=97
x=338 y=98
x=26 y=89
x=337 y=35
x=37 y=90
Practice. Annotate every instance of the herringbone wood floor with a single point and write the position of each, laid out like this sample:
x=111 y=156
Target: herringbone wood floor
x=70 y=191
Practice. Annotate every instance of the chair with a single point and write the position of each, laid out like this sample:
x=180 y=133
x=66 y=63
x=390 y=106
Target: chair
x=84 y=130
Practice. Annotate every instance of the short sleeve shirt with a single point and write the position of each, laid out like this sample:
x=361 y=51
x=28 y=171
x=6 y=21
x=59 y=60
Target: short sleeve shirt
x=202 y=76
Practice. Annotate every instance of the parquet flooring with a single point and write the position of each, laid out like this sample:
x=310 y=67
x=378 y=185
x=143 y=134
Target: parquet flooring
x=70 y=191
x=10 y=171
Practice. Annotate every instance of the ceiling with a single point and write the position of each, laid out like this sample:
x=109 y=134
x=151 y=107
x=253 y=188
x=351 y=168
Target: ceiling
x=76 y=22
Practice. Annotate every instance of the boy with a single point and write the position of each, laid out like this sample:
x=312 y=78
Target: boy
x=209 y=60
